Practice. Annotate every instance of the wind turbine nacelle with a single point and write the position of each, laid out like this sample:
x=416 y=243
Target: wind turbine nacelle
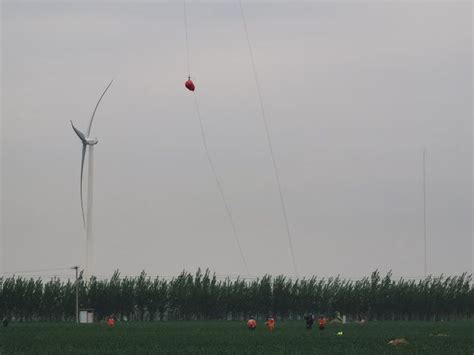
x=92 y=141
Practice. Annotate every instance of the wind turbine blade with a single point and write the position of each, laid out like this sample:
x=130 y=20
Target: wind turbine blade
x=81 y=135
x=84 y=147
x=96 y=106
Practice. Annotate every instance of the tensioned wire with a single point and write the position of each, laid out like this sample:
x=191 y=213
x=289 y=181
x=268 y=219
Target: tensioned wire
x=35 y=270
x=269 y=141
x=188 y=57
x=208 y=155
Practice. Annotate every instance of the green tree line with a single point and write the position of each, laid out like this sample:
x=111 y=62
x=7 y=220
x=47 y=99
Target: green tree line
x=203 y=296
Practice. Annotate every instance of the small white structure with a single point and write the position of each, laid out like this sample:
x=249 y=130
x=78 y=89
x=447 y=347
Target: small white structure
x=86 y=316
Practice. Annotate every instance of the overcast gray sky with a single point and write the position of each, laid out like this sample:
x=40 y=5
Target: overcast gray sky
x=353 y=93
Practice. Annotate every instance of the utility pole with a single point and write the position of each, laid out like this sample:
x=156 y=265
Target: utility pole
x=77 y=292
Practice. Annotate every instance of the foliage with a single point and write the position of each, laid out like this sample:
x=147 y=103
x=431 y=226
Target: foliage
x=203 y=296
x=233 y=337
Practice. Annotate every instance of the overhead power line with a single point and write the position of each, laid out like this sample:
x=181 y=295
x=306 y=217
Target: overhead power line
x=36 y=270
x=269 y=141
x=208 y=155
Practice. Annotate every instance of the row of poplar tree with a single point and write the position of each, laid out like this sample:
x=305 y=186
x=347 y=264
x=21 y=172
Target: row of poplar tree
x=203 y=296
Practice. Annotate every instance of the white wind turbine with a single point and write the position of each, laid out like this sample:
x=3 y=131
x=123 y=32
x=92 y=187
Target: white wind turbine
x=88 y=142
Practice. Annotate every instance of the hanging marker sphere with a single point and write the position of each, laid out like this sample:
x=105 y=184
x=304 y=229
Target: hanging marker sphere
x=189 y=84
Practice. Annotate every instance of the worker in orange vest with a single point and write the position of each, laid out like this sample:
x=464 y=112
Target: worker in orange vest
x=252 y=324
x=322 y=323
x=270 y=323
x=111 y=321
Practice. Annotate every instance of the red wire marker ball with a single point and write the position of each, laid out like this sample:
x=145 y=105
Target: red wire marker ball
x=189 y=84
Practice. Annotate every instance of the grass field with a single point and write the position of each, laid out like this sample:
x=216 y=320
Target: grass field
x=217 y=337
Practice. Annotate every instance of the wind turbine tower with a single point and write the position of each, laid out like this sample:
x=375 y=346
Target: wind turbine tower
x=88 y=144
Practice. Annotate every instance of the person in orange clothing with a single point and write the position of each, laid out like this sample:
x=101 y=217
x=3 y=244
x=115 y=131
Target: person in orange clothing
x=322 y=323
x=252 y=324
x=111 y=321
x=270 y=323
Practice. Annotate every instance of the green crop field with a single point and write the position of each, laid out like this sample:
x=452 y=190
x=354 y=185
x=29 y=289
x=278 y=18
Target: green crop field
x=217 y=337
